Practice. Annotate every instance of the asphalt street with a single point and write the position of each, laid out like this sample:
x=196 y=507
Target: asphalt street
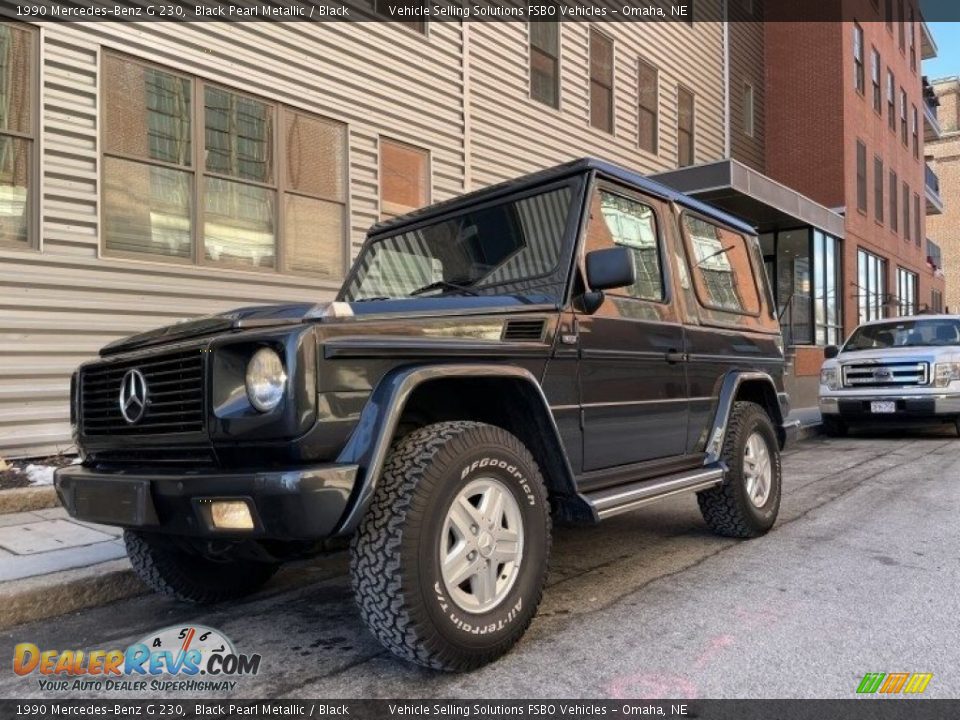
x=860 y=574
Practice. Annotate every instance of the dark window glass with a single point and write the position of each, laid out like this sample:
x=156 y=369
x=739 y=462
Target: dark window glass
x=648 y=101
x=894 y=194
x=906 y=292
x=902 y=20
x=903 y=116
x=875 y=81
x=891 y=101
x=917 y=220
x=878 y=180
x=601 y=81
x=861 y=176
x=907 y=227
x=915 y=131
x=545 y=62
x=858 y=57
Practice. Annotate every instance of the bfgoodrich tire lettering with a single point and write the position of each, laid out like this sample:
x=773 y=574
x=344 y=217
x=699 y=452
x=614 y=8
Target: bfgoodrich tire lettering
x=727 y=509
x=395 y=563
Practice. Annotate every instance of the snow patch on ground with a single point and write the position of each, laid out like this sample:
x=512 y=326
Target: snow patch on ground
x=40 y=474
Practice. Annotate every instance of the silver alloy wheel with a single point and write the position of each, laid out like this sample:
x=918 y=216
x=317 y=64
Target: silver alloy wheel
x=757 y=469
x=481 y=545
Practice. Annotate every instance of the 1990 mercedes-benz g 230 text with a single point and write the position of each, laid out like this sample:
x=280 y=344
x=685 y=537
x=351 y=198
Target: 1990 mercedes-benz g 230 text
x=569 y=345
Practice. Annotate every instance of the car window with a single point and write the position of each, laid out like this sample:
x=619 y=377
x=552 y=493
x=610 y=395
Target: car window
x=629 y=223
x=722 y=271
x=905 y=333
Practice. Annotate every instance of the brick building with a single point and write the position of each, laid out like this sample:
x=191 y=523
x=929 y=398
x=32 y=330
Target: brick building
x=944 y=157
x=828 y=161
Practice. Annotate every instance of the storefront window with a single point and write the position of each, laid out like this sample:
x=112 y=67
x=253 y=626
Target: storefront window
x=804 y=268
x=906 y=292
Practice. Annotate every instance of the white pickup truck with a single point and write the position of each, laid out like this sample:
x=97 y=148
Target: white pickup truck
x=896 y=371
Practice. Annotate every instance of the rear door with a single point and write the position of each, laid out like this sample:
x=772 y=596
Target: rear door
x=633 y=387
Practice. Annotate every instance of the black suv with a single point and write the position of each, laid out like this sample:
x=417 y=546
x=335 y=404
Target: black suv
x=568 y=345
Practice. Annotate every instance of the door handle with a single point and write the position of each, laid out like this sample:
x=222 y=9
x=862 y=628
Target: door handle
x=673 y=357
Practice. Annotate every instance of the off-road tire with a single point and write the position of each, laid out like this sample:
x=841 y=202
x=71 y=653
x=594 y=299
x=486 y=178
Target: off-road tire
x=726 y=509
x=395 y=563
x=169 y=570
x=834 y=427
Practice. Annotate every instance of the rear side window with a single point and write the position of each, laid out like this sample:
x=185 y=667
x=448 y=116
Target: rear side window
x=722 y=270
x=631 y=224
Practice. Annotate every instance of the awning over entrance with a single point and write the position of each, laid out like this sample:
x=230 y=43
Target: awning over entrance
x=752 y=196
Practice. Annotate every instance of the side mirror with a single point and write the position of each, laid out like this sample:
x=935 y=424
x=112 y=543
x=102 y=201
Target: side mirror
x=610 y=268
x=830 y=352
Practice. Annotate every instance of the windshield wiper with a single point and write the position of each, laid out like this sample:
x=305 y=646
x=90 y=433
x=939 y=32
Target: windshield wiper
x=444 y=284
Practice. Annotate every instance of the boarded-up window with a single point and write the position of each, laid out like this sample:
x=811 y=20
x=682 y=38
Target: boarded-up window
x=648 y=100
x=601 y=81
x=265 y=182
x=685 y=127
x=17 y=133
x=404 y=178
x=878 y=180
x=545 y=62
x=861 y=176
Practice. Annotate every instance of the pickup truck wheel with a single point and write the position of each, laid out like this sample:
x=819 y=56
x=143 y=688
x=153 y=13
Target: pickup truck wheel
x=834 y=427
x=746 y=505
x=167 y=569
x=449 y=562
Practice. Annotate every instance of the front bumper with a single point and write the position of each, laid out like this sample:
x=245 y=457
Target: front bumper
x=928 y=406
x=302 y=504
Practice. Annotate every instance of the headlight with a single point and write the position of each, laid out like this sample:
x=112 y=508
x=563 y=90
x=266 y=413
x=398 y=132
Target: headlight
x=830 y=377
x=266 y=379
x=945 y=374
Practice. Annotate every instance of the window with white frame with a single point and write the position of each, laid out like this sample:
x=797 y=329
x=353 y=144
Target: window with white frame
x=199 y=173
x=906 y=292
x=871 y=285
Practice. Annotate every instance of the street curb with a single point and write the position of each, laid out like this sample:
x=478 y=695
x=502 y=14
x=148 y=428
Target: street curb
x=27 y=499
x=46 y=596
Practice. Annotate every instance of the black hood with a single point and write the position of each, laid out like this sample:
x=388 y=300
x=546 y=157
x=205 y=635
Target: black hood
x=295 y=313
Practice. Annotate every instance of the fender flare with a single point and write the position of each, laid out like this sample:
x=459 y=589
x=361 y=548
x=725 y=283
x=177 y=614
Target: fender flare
x=369 y=443
x=729 y=388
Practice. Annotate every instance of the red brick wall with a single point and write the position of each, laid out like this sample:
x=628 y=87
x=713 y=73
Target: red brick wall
x=815 y=116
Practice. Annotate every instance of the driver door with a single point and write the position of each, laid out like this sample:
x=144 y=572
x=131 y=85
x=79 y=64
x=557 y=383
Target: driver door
x=633 y=385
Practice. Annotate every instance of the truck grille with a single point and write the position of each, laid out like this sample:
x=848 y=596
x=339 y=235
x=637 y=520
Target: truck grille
x=174 y=384
x=891 y=374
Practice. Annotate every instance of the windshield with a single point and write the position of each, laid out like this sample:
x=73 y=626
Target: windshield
x=905 y=333
x=509 y=248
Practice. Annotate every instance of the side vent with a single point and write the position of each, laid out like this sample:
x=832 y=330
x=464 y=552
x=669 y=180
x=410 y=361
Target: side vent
x=524 y=330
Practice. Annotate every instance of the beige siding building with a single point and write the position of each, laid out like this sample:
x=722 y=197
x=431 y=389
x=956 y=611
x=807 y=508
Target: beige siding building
x=154 y=172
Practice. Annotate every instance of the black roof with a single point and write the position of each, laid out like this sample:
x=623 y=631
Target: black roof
x=575 y=167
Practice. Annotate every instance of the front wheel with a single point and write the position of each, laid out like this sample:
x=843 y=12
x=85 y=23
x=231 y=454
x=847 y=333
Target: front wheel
x=449 y=562
x=748 y=502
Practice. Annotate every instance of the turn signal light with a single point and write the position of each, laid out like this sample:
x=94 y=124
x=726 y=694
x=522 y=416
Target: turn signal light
x=231 y=515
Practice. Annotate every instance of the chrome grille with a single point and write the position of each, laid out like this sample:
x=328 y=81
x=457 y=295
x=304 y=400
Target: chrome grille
x=888 y=374
x=174 y=395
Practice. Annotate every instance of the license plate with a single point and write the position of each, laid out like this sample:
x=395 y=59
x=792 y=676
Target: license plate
x=118 y=502
x=883 y=406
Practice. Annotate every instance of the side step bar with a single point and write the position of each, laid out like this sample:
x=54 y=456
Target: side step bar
x=623 y=498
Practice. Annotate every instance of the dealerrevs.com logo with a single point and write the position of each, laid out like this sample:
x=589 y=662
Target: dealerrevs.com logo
x=193 y=659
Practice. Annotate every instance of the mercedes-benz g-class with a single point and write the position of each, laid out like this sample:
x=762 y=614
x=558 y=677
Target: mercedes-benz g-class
x=568 y=345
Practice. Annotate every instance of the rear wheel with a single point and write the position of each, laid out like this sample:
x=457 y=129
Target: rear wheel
x=834 y=426
x=748 y=502
x=449 y=562
x=169 y=570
